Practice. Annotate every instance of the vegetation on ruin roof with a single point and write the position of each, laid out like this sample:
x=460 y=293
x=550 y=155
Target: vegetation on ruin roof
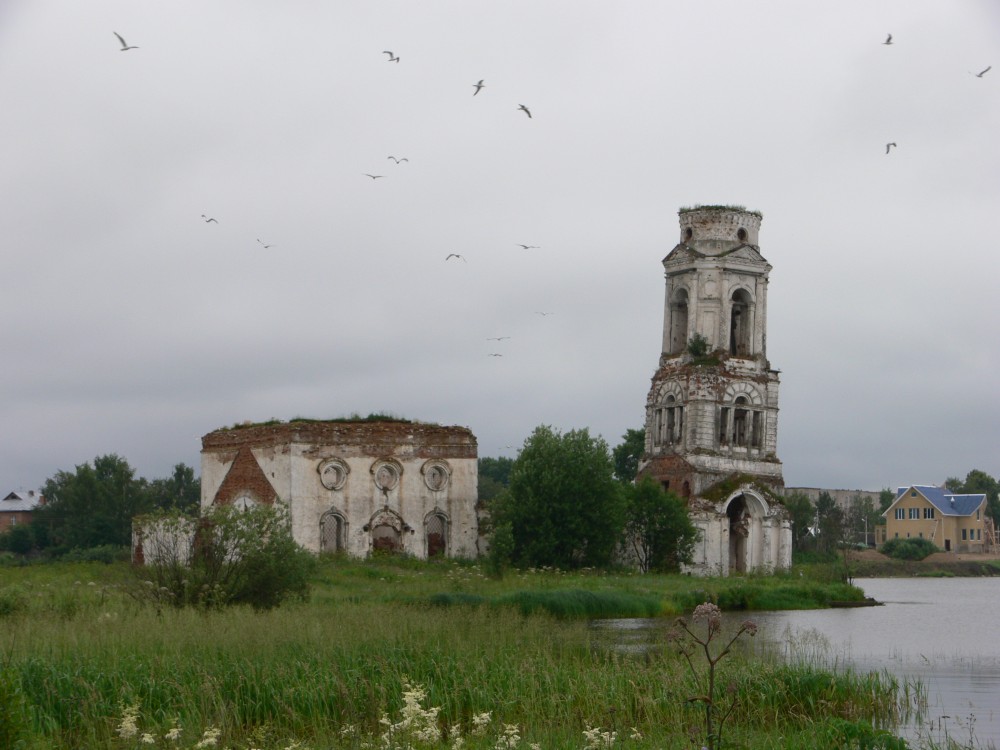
x=733 y=207
x=354 y=417
x=724 y=488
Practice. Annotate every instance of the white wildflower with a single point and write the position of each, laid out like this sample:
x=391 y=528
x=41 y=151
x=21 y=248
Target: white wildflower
x=129 y=726
x=209 y=739
x=147 y=739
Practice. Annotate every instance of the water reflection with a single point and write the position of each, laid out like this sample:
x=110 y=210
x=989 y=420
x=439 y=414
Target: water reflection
x=940 y=632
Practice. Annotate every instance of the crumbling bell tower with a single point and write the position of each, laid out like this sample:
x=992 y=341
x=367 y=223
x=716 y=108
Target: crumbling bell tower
x=712 y=409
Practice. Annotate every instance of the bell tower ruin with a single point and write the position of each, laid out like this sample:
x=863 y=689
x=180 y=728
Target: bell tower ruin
x=712 y=408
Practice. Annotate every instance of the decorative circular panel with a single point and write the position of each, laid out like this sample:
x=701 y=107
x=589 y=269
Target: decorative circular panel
x=333 y=473
x=436 y=476
x=386 y=476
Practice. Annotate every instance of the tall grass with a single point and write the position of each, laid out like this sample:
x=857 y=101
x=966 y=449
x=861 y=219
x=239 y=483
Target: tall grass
x=78 y=653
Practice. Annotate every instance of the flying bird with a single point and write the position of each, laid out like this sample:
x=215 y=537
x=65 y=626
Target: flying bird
x=125 y=46
x=497 y=338
x=521 y=106
x=983 y=72
x=888 y=39
x=374 y=176
x=449 y=256
x=392 y=57
x=398 y=160
x=543 y=313
x=528 y=247
x=888 y=146
x=262 y=243
x=496 y=355
x=478 y=86
x=207 y=219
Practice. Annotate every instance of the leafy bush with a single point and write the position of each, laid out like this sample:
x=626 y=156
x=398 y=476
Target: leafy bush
x=909 y=549
x=228 y=556
x=105 y=553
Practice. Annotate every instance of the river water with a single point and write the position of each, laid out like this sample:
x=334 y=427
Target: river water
x=943 y=632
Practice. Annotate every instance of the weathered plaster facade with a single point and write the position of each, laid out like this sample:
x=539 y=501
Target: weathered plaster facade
x=712 y=419
x=353 y=486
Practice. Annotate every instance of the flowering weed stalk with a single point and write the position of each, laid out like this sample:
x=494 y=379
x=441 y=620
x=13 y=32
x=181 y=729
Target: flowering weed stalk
x=690 y=643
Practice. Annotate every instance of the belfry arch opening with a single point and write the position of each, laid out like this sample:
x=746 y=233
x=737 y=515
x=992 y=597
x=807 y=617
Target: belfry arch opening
x=740 y=323
x=679 y=322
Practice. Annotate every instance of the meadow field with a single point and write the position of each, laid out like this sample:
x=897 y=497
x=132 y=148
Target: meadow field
x=394 y=653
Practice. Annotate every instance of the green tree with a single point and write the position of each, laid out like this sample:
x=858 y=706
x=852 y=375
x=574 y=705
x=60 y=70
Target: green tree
x=180 y=491
x=627 y=454
x=803 y=515
x=93 y=505
x=860 y=519
x=227 y=556
x=658 y=529
x=494 y=476
x=885 y=499
x=563 y=507
x=830 y=520
x=978 y=482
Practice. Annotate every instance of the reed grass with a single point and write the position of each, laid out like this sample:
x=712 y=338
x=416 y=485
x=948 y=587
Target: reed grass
x=325 y=672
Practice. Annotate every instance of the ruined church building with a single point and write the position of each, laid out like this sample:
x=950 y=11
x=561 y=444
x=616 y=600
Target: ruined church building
x=712 y=409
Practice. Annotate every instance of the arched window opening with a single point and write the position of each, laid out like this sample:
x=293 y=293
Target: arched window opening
x=741 y=234
x=724 y=425
x=679 y=322
x=436 y=529
x=756 y=429
x=740 y=427
x=740 y=324
x=332 y=532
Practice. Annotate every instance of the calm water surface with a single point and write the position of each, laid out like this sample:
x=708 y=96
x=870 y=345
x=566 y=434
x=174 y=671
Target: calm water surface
x=944 y=632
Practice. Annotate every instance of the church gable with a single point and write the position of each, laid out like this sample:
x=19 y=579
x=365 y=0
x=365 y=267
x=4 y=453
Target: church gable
x=245 y=478
x=747 y=253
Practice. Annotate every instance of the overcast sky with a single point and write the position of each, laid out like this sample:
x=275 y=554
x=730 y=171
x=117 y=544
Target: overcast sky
x=132 y=326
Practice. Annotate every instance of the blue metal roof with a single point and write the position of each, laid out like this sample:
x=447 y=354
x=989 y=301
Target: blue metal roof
x=945 y=502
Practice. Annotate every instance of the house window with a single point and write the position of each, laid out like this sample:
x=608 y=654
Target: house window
x=963 y=534
x=928 y=513
x=979 y=535
x=913 y=493
x=900 y=514
x=914 y=514
x=977 y=515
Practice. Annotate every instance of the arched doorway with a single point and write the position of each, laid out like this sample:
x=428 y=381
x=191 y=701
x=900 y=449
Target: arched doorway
x=385 y=538
x=386 y=529
x=739 y=532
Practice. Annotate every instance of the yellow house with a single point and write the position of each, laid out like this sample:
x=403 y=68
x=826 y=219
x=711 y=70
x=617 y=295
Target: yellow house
x=952 y=522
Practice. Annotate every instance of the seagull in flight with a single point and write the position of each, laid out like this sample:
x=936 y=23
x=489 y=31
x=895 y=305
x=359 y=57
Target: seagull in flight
x=496 y=355
x=981 y=73
x=125 y=46
x=398 y=160
x=449 y=256
x=207 y=219
x=888 y=39
x=497 y=338
x=392 y=57
x=374 y=176
x=262 y=243
x=528 y=247
x=522 y=107
x=478 y=86
x=889 y=145
x=543 y=314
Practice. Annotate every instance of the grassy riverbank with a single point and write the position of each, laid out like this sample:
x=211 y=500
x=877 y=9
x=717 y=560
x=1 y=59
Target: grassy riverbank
x=84 y=663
